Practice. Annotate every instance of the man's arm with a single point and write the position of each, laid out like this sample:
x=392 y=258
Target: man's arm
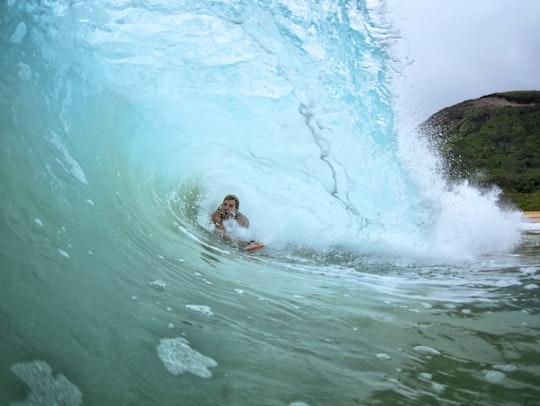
x=217 y=220
x=242 y=220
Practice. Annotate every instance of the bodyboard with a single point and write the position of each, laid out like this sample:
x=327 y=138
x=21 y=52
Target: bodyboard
x=253 y=246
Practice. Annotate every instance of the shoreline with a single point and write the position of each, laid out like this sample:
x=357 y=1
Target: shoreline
x=531 y=216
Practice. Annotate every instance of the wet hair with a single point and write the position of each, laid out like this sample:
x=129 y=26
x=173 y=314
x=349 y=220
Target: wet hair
x=233 y=197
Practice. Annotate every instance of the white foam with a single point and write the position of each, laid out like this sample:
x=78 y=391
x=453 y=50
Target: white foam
x=527 y=226
x=44 y=388
x=494 y=376
x=19 y=33
x=437 y=387
x=426 y=376
x=25 y=72
x=424 y=349
x=158 y=284
x=529 y=269
x=505 y=368
x=206 y=310
x=69 y=164
x=178 y=357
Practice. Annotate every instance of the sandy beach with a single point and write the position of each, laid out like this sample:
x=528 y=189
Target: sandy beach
x=532 y=216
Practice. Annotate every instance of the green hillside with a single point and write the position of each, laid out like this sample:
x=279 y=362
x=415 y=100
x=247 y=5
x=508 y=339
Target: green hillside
x=493 y=140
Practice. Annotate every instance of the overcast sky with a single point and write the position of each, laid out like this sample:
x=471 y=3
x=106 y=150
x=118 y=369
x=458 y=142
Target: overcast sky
x=464 y=49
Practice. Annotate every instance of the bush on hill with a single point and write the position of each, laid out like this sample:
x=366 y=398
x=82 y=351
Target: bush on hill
x=493 y=140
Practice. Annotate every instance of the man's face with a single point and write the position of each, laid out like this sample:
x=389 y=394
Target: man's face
x=228 y=209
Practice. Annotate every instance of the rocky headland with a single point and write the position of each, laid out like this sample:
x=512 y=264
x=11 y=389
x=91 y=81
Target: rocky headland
x=492 y=141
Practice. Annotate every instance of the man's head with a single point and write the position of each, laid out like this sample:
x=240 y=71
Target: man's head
x=229 y=199
x=229 y=206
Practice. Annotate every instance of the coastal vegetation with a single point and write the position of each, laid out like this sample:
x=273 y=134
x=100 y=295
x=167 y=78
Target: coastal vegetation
x=492 y=141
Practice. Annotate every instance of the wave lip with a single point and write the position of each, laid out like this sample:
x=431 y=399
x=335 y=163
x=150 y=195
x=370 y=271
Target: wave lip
x=290 y=108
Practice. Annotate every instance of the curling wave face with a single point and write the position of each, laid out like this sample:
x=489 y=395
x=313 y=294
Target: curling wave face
x=288 y=106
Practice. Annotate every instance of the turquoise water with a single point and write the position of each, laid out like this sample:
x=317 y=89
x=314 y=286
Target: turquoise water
x=124 y=124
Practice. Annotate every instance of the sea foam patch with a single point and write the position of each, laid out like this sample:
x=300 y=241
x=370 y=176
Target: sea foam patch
x=178 y=357
x=44 y=388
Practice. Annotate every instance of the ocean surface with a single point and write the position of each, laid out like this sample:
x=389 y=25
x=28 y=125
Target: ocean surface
x=123 y=123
